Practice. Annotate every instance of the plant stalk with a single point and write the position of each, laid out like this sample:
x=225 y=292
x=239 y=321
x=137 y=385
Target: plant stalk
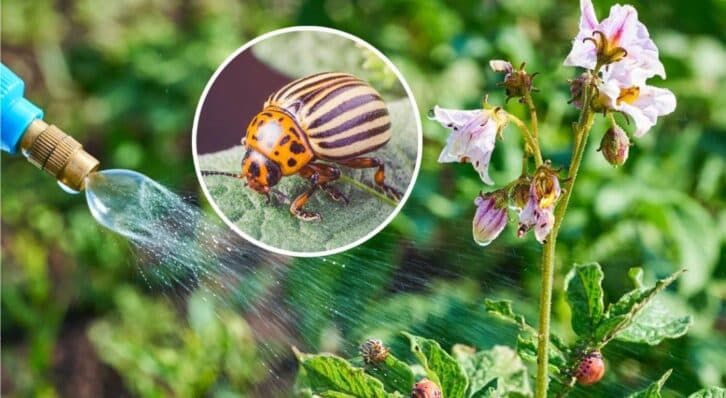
x=581 y=132
x=535 y=128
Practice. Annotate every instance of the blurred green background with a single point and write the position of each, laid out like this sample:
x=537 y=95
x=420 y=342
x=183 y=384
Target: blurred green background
x=124 y=78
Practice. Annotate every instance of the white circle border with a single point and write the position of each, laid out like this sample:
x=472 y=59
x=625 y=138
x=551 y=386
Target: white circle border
x=411 y=99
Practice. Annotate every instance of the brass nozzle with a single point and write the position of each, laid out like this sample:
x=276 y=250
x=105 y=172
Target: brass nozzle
x=50 y=149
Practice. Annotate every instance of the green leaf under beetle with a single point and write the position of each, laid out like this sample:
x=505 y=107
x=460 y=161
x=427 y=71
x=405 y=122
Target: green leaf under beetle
x=653 y=390
x=327 y=373
x=395 y=374
x=711 y=392
x=585 y=296
x=500 y=364
x=440 y=367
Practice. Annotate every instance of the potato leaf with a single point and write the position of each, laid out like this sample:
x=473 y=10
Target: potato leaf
x=711 y=392
x=495 y=372
x=527 y=348
x=632 y=310
x=395 y=374
x=527 y=339
x=335 y=394
x=585 y=296
x=329 y=374
x=657 y=321
x=653 y=390
x=503 y=309
x=440 y=367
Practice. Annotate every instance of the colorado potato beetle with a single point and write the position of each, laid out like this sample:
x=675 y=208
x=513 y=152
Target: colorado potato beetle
x=590 y=369
x=426 y=388
x=326 y=117
x=373 y=351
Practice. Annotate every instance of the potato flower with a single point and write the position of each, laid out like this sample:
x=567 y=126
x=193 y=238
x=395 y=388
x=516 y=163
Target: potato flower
x=618 y=38
x=474 y=133
x=538 y=212
x=490 y=217
x=643 y=103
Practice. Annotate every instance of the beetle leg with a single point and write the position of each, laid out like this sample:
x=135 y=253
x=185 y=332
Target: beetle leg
x=334 y=193
x=299 y=202
x=326 y=174
x=319 y=175
x=379 y=177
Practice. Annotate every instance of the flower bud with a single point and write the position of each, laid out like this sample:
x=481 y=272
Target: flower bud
x=499 y=65
x=373 y=351
x=591 y=369
x=615 y=146
x=426 y=388
x=577 y=89
x=516 y=81
x=490 y=217
x=519 y=194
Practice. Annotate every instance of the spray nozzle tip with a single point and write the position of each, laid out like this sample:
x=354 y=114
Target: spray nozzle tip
x=54 y=151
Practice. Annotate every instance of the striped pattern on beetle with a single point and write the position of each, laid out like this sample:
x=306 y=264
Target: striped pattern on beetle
x=331 y=117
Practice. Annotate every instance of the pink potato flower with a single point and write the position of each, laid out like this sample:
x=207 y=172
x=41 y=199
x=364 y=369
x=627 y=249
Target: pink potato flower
x=542 y=219
x=474 y=133
x=618 y=38
x=490 y=217
x=643 y=103
x=538 y=213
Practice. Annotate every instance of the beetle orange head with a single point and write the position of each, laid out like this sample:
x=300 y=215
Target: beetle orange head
x=261 y=172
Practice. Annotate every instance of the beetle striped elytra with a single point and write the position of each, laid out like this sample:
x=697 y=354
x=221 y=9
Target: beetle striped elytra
x=310 y=126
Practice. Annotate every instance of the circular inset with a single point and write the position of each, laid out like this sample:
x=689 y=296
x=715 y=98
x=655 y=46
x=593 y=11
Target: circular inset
x=307 y=141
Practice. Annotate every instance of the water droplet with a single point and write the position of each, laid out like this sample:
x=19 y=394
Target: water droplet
x=134 y=205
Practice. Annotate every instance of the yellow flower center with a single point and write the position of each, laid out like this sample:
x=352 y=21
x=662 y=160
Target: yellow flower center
x=545 y=187
x=548 y=199
x=629 y=94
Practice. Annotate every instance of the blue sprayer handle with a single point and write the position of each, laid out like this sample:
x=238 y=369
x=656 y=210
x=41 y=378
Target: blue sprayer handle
x=17 y=112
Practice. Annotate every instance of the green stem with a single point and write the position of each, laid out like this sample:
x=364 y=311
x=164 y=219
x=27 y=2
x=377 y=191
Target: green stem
x=530 y=142
x=581 y=132
x=368 y=189
x=525 y=163
x=535 y=128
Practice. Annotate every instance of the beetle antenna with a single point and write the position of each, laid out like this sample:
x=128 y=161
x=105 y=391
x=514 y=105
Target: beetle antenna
x=219 y=173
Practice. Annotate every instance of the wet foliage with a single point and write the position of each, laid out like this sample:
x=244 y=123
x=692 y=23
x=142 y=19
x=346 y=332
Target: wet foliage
x=124 y=79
